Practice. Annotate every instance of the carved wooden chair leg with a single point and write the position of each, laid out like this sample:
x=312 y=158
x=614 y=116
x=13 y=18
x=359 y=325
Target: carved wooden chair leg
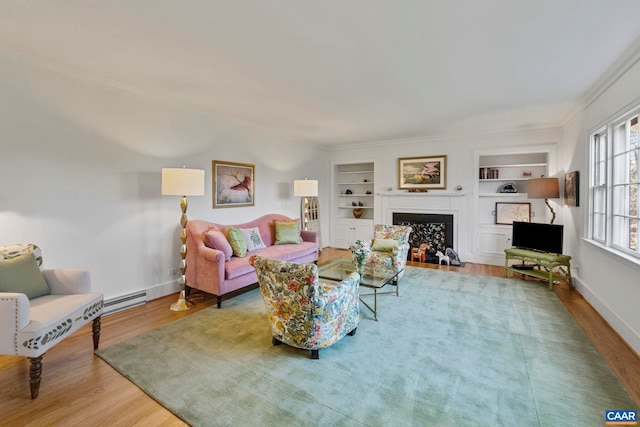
x=35 y=374
x=315 y=354
x=96 y=332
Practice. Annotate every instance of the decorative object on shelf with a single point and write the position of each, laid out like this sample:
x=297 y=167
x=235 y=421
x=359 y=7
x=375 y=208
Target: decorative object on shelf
x=182 y=182
x=527 y=174
x=506 y=213
x=368 y=192
x=418 y=190
x=458 y=187
x=354 y=204
x=545 y=188
x=572 y=188
x=307 y=190
x=357 y=212
x=360 y=250
x=509 y=187
x=422 y=172
x=360 y=204
x=348 y=191
x=233 y=184
x=366 y=180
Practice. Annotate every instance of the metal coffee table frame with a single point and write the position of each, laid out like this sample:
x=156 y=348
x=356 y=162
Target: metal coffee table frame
x=375 y=277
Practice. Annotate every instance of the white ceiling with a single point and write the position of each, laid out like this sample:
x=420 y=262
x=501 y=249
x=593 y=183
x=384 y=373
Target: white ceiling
x=335 y=71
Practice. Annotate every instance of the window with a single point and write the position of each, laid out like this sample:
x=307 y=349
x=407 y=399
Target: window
x=599 y=187
x=614 y=207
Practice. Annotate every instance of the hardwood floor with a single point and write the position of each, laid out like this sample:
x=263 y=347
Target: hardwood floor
x=80 y=389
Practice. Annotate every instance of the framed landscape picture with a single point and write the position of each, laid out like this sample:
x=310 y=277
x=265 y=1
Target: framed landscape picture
x=425 y=173
x=233 y=184
x=506 y=213
x=572 y=188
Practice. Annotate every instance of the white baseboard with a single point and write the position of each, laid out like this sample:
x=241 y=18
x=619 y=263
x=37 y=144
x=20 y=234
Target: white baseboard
x=631 y=337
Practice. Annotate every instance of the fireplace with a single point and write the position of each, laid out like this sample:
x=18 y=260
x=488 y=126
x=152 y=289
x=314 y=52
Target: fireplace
x=433 y=229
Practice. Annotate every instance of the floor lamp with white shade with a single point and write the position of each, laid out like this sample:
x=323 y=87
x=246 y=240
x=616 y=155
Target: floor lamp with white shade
x=307 y=190
x=182 y=182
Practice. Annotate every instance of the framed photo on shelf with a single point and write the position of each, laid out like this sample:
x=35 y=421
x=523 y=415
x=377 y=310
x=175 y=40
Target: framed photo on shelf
x=233 y=184
x=572 y=188
x=506 y=213
x=427 y=173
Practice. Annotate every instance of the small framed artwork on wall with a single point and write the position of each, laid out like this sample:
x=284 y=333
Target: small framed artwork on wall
x=233 y=184
x=572 y=188
x=506 y=213
x=426 y=173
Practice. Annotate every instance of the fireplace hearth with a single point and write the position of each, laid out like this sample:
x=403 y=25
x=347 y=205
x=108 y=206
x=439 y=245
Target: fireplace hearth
x=434 y=229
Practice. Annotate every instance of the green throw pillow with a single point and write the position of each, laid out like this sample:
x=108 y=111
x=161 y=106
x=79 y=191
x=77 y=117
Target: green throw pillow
x=384 y=245
x=21 y=274
x=237 y=241
x=287 y=232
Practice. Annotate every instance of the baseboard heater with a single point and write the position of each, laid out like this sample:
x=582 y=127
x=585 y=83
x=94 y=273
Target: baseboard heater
x=124 y=302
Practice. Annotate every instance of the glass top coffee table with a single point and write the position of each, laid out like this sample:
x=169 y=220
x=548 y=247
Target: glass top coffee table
x=374 y=277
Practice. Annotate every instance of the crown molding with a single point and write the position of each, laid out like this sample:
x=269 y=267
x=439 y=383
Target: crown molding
x=454 y=136
x=615 y=72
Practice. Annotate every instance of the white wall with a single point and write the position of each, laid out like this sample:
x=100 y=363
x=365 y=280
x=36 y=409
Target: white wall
x=80 y=166
x=607 y=281
x=461 y=170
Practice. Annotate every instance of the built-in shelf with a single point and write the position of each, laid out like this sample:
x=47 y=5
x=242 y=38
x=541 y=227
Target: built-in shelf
x=495 y=168
x=503 y=195
x=358 y=178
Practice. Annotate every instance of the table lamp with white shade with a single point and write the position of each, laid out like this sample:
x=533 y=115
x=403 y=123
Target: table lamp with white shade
x=307 y=190
x=545 y=188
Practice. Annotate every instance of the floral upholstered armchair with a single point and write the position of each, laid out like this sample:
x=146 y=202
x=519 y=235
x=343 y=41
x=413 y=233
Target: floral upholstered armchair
x=390 y=246
x=303 y=312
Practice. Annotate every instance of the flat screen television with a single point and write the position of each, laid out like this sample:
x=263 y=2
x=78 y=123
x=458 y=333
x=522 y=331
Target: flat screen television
x=537 y=237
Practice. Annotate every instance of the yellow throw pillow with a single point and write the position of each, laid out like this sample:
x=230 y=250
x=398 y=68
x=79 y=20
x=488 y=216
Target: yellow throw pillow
x=287 y=232
x=384 y=245
x=237 y=241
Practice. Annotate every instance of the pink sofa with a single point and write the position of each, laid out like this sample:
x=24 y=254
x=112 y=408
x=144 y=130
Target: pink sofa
x=208 y=271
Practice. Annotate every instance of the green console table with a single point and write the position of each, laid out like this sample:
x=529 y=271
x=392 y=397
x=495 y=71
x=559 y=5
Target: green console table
x=551 y=262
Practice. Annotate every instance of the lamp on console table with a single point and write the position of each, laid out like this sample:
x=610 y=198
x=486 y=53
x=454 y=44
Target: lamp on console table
x=307 y=190
x=182 y=182
x=545 y=188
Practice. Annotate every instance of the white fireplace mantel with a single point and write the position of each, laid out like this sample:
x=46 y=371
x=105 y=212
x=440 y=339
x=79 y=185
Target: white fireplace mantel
x=450 y=203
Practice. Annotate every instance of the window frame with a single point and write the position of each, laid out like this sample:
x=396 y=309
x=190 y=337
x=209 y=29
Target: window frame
x=613 y=142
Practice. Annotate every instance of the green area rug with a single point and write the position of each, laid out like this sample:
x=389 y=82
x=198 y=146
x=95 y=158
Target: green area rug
x=452 y=350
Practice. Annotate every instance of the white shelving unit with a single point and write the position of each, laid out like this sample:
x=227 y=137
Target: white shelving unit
x=353 y=184
x=498 y=167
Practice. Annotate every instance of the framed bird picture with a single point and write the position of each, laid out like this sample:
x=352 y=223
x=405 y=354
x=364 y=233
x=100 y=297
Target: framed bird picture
x=233 y=184
x=422 y=173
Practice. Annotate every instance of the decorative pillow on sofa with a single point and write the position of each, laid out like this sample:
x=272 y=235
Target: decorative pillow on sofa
x=237 y=241
x=214 y=239
x=287 y=232
x=384 y=245
x=252 y=236
x=22 y=275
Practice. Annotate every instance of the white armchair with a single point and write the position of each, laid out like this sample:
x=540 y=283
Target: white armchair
x=30 y=327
